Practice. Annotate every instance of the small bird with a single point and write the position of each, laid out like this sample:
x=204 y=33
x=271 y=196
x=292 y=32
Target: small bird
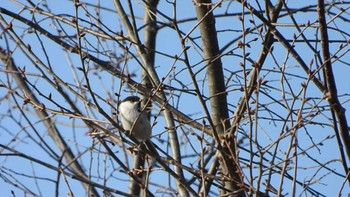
x=134 y=119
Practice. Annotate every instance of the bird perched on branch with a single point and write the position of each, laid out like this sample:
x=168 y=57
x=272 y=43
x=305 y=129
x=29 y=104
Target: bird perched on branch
x=134 y=119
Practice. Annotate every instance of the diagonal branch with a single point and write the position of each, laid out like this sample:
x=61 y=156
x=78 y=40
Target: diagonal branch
x=111 y=69
x=50 y=125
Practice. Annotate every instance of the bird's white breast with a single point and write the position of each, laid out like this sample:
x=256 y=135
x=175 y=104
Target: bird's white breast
x=129 y=113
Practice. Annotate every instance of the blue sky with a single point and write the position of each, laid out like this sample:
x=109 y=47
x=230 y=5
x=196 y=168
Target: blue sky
x=105 y=85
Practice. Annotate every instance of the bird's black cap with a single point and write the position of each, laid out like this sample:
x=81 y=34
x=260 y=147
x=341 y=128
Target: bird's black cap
x=132 y=99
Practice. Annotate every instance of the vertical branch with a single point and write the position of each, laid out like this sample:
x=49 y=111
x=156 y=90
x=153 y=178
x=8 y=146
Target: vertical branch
x=150 y=34
x=216 y=82
x=153 y=76
x=217 y=92
x=331 y=88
